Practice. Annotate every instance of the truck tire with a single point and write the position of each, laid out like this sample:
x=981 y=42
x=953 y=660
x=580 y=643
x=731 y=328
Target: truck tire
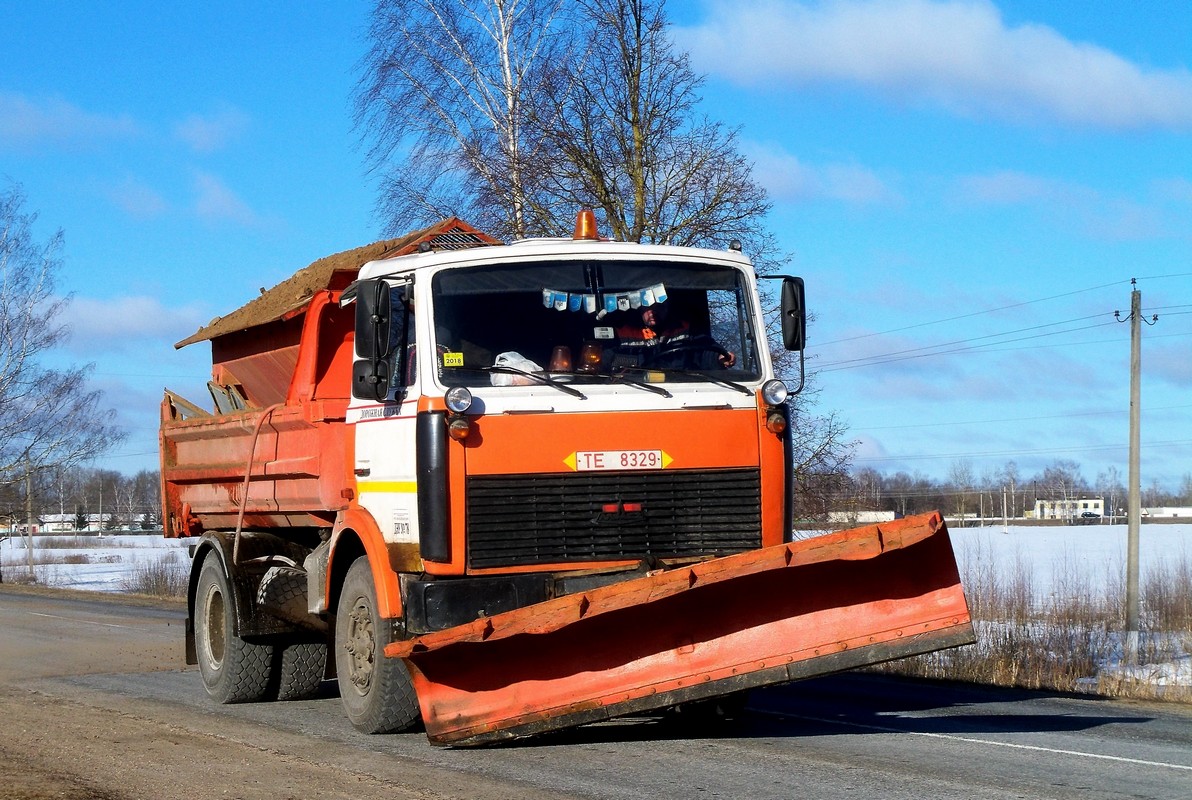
x=233 y=670
x=301 y=669
x=377 y=692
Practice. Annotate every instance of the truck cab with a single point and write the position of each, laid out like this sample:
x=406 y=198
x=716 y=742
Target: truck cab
x=518 y=433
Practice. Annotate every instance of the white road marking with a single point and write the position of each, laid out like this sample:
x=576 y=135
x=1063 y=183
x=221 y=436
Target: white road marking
x=995 y=743
x=82 y=621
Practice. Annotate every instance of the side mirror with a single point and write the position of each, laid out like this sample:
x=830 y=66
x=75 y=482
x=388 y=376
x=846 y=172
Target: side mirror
x=370 y=377
x=370 y=380
x=372 y=319
x=794 y=314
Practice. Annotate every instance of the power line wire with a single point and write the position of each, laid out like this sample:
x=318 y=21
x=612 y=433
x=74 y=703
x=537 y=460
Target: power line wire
x=1020 y=452
x=1018 y=419
x=901 y=355
x=1159 y=277
x=971 y=314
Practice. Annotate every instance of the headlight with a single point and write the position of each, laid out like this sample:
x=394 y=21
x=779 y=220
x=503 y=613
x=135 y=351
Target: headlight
x=774 y=392
x=459 y=399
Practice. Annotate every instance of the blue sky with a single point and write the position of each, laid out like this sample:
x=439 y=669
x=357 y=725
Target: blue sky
x=972 y=177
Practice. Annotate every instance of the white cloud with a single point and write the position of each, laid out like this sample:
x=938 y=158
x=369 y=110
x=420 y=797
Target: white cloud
x=127 y=324
x=216 y=202
x=137 y=199
x=1125 y=220
x=1015 y=188
x=957 y=53
x=206 y=134
x=1174 y=189
x=1075 y=206
x=28 y=124
x=787 y=178
x=1170 y=362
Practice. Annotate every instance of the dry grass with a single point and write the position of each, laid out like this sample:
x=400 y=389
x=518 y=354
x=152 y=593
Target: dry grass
x=162 y=577
x=165 y=576
x=1071 y=640
x=78 y=542
x=42 y=559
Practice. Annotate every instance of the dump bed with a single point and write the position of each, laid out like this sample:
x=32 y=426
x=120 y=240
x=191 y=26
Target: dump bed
x=273 y=452
x=294 y=457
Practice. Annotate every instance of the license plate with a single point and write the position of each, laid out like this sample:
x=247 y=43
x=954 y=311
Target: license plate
x=615 y=460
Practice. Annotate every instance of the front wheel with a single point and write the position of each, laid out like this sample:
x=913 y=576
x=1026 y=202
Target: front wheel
x=377 y=692
x=233 y=670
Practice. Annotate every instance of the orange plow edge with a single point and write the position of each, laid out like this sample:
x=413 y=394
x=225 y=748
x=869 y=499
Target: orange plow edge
x=782 y=613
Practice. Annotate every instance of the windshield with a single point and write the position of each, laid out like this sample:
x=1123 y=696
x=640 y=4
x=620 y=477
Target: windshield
x=593 y=321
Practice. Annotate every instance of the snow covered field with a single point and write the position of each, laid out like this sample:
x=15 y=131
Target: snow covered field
x=1057 y=562
x=90 y=562
x=1094 y=554
x=1062 y=557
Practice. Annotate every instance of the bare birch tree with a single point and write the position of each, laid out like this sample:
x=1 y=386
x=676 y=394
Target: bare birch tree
x=444 y=103
x=1063 y=483
x=514 y=114
x=517 y=113
x=48 y=417
x=960 y=476
x=626 y=138
x=1112 y=489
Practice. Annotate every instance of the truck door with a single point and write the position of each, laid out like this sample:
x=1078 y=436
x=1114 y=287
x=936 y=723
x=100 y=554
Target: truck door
x=385 y=398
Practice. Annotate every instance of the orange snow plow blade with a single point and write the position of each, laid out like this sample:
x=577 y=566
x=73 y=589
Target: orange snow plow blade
x=774 y=615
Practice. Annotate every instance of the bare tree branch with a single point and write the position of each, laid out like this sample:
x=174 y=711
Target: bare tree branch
x=48 y=417
x=514 y=114
x=443 y=101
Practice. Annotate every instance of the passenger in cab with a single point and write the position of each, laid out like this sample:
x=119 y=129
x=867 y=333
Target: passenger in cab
x=655 y=338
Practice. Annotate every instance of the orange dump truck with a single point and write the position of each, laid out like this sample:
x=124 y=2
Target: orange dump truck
x=504 y=489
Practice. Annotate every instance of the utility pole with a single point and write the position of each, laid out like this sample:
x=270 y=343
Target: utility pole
x=1134 y=503
x=1005 y=519
x=29 y=512
x=1134 y=499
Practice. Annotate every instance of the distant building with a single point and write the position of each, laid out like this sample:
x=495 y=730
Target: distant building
x=65 y=523
x=860 y=517
x=1168 y=512
x=1077 y=508
x=57 y=523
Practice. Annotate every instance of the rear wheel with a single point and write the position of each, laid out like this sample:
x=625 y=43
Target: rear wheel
x=377 y=692
x=233 y=670
x=300 y=670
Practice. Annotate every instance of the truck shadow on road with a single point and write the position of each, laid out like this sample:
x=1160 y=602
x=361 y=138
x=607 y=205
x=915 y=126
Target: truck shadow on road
x=852 y=704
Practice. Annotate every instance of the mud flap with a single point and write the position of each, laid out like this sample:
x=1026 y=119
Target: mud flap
x=769 y=616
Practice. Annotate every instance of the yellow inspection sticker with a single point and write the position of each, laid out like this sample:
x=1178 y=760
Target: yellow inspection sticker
x=599 y=460
x=453 y=359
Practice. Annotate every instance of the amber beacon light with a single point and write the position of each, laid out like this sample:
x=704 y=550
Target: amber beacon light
x=585 y=226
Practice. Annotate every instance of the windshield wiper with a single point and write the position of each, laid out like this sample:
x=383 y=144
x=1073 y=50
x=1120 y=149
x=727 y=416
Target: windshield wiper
x=621 y=377
x=562 y=387
x=692 y=373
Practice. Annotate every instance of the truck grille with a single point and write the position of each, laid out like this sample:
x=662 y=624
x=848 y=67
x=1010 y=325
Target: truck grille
x=515 y=520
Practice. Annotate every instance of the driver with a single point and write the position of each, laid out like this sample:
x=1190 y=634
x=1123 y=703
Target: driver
x=653 y=333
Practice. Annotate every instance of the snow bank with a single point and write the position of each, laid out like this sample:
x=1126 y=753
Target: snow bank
x=89 y=561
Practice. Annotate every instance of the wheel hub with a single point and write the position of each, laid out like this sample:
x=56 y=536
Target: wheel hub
x=360 y=646
x=214 y=616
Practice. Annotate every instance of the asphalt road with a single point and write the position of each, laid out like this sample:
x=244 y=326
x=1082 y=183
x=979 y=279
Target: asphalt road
x=96 y=705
